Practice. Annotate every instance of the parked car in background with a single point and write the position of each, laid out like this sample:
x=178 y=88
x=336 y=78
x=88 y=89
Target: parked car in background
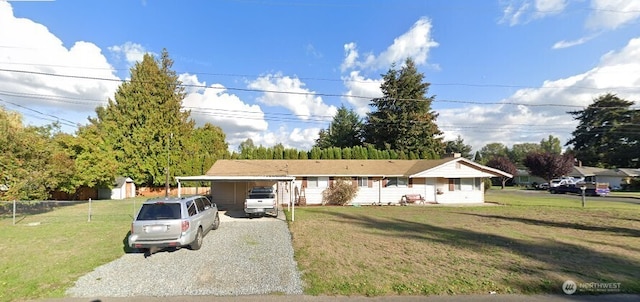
x=173 y=222
x=588 y=188
x=556 y=182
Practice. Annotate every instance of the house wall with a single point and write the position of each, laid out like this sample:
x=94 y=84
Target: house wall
x=614 y=181
x=468 y=193
x=377 y=192
x=118 y=192
x=231 y=195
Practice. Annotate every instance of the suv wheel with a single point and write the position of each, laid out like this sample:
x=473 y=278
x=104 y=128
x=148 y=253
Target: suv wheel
x=197 y=244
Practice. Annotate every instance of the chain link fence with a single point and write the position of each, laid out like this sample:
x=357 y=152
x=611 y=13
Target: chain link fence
x=57 y=211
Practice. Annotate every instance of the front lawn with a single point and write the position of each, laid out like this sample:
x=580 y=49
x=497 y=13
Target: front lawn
x=45 y=252
x=531 y=243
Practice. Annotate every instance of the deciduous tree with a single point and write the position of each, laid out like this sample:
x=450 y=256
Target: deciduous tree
x=548 y=165
x=504 y=164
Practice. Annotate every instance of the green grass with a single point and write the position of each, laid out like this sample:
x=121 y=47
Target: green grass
x=530 y=244
x=44 y=254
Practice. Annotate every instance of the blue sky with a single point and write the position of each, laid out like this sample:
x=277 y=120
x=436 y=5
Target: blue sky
x=276 y=71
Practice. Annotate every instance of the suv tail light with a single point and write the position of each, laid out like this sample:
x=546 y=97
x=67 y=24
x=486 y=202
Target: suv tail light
x=185 y=225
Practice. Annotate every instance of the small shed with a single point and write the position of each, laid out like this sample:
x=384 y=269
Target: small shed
x=123 y=188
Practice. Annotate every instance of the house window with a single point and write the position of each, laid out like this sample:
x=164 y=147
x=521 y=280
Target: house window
x=466 y=184
x=363 y=181
x=312 y=182
x=454 y=184
x=397 y=182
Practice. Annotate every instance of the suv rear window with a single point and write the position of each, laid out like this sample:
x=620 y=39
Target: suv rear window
x=159 y=211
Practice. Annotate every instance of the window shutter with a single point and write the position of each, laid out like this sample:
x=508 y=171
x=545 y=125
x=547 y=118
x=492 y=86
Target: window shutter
x=370 y=182
x=410 y=182
x=304 y=182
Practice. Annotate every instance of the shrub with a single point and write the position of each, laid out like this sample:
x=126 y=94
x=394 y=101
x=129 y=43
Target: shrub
x=487 y=183
x=340 y=192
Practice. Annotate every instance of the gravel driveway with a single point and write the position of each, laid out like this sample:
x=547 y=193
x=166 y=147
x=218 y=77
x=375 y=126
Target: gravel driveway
x=243 y=257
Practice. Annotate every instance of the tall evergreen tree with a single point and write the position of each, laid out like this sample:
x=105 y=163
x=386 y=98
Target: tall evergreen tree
x=458 y=146
x=402 y=119
x=608 y=133
x=144 y=122
x=345 y=130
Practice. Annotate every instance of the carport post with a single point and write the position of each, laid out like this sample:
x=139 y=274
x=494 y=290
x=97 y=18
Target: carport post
x=180 y=189
x=14 y=212
x=293 y=204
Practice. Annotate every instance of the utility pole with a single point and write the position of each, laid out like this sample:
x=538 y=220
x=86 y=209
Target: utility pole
x=166 y=192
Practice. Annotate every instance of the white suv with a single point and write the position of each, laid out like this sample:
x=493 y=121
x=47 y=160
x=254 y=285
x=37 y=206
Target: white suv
x=173 y=222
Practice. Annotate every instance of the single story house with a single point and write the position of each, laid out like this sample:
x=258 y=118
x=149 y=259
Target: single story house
x=449 y=180
x=524 y=178
x=615 y=177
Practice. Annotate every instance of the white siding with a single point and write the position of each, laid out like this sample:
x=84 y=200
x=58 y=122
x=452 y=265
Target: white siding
x=614 y=181
x=454 y=169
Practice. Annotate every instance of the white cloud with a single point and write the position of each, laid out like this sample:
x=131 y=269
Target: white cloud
x=191 y=83
x=611 y=14
x=298 y=138
x=290 y=93
x=132 y=52
x=360 y=91
x=543 y=111
x=513 y=12
x=567 y=44
x=415 y=44
x=237 y=119
x=351 y=56
x=546 y=7
x=517 y=12
x=30 y=47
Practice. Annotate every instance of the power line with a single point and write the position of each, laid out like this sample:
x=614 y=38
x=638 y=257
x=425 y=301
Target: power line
x=342 y=80
x=61 y=120
x=311 y=93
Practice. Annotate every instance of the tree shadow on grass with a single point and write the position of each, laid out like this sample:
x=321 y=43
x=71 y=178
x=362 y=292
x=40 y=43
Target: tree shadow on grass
x=560 y=260
x=562 y=224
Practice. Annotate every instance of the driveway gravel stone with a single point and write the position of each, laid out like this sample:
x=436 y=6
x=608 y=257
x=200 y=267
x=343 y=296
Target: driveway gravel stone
x=243 y=257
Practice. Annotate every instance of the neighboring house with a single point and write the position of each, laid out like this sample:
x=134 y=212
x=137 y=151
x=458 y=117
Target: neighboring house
x=123 y=188
x=524 y=178
x=449 y=180
x=615 y=177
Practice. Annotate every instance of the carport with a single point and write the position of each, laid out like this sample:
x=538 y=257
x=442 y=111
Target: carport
x=229 y=192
